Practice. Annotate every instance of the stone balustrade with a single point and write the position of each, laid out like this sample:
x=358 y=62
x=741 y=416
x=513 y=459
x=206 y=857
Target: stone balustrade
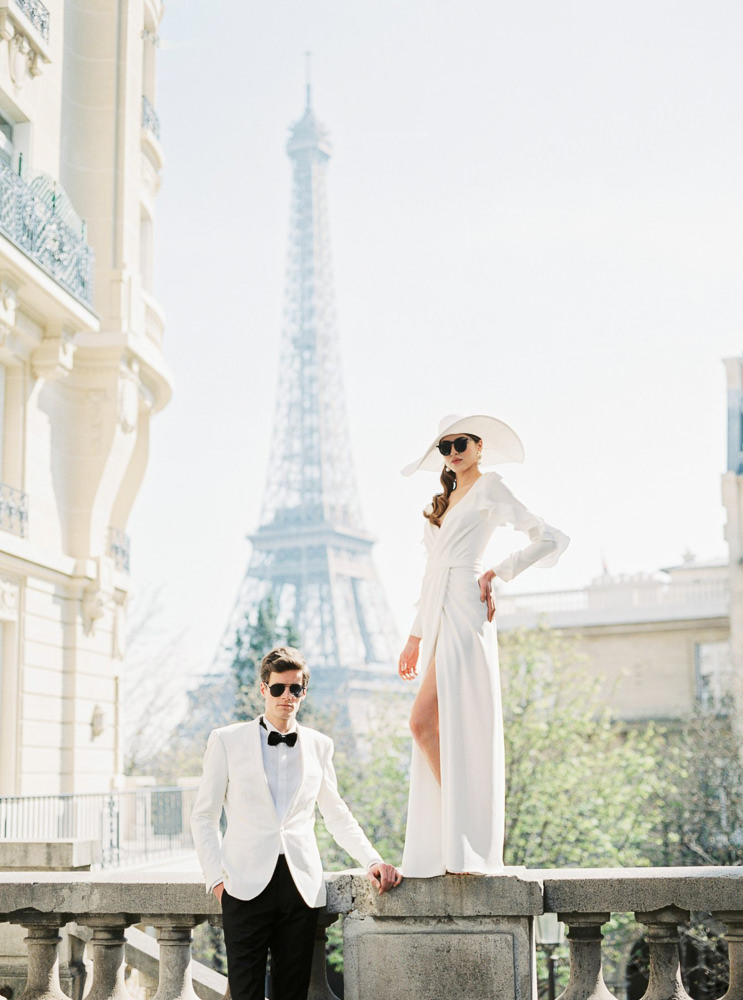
x=454 y=936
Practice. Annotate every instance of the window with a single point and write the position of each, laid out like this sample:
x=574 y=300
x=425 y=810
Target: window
x=6 y=140
x=714 y=676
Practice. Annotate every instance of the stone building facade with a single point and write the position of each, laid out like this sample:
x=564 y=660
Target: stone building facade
x=81 y=372
x=660 y=643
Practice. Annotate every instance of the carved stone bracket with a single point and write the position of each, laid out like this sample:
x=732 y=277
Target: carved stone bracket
x=97 y=595
x=8 y=600
x=27 y=50
x=128 y=408
x=54 y=357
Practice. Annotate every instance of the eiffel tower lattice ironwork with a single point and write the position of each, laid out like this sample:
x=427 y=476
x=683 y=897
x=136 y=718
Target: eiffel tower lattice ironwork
x=311 y=552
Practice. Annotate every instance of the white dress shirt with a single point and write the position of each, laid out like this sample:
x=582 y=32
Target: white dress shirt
x=283 y=767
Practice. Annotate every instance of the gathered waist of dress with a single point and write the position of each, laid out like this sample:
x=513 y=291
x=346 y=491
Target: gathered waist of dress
x=436 y=564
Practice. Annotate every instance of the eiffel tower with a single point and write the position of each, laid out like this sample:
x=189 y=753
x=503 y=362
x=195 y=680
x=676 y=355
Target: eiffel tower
x=311 y=552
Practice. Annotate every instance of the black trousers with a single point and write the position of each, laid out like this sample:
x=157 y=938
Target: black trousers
x=277 y=919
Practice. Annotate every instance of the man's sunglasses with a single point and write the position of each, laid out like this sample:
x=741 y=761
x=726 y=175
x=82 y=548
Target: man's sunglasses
x=460 y=445
x=276 y=690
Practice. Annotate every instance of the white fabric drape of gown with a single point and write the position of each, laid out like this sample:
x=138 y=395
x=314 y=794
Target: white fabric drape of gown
x=458 y=826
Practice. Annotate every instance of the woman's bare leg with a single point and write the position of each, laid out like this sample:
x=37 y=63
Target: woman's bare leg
x=424 y=721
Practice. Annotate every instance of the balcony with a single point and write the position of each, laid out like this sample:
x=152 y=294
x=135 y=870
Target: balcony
x=37 y=14
x=13 y=511
x=150 y=121
x=453 y=936
x=37 y=218
x=118 y=548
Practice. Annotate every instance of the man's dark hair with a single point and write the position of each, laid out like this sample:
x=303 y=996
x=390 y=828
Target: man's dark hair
x=281 y=659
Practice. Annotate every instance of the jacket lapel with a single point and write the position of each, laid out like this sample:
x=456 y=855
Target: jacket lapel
x=303 y=747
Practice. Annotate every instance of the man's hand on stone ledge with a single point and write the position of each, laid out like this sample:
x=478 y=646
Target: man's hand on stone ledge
x=383 y=877
x=218 y=890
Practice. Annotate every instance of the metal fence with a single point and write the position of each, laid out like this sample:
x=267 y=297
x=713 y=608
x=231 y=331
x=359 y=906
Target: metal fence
x=35 y=225
x=131 y=827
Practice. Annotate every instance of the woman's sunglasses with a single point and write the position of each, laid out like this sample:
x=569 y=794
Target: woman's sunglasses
x=460 y=445
x=296 y=690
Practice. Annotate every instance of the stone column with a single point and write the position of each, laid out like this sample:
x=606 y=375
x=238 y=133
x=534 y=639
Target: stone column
x=586 y=975
x=107 y=947
x=174 y=935
x=734 y=935
x=663 y=942
x=42 y=943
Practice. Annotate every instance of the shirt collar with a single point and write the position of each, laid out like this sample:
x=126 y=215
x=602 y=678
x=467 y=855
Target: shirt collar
x=269 y=726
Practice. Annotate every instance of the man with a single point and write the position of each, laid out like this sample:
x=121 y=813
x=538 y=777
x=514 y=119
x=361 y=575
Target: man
x=268 y=775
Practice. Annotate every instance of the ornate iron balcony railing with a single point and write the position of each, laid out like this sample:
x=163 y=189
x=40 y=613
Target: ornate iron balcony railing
x=118 y=548
x=13 y=510
x=150 y=121
x=37 y=14
x=32 y=223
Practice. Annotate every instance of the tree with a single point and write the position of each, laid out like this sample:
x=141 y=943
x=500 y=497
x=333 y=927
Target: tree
x=581 y=789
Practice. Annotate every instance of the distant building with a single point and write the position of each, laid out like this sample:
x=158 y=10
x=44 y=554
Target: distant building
x=81 y=373
x=669 y=643
x=660 y=643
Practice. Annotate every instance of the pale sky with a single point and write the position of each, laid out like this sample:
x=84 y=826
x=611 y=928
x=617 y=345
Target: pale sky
x=536 y=212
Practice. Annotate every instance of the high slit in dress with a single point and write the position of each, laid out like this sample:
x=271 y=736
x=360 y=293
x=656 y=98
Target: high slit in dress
x=458 y=826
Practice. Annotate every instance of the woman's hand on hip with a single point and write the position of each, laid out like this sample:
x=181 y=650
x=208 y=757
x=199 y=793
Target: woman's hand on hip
x=485 y=583
x=409 y=659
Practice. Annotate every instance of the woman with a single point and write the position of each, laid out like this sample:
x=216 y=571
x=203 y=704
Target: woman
x=457 y=781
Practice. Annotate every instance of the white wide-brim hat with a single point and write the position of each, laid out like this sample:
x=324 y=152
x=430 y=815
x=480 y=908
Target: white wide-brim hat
x=500 y=443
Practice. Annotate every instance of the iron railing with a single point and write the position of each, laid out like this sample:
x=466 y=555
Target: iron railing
x=118 y=548
x=13 y=510
x=150 y=121
x=32 y=223
x=130 y=826
x=37 y=14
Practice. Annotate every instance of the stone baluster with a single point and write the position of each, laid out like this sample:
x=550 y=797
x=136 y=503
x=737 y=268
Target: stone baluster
x=734 y=935
x=586 y=975
x=107 y=947
x=174 y=935
x=663 y=943
x=42 y=944
x=319 y=986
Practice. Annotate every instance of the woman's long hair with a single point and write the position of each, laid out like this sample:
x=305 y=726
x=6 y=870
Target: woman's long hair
x=440 y=502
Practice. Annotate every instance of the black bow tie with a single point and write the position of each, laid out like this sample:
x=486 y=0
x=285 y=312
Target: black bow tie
x=274 y=738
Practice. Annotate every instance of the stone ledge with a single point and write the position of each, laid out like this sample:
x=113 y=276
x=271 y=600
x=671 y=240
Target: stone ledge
x=520 y=893
x=443 y=896
x=632 y=890
x=48 y=855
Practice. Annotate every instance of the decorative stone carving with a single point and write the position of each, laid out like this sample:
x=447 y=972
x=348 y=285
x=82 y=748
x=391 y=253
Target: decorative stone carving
x=97 y=595
x=8 y=600
x=129 y=397
x=54 y=357
x=27 y=50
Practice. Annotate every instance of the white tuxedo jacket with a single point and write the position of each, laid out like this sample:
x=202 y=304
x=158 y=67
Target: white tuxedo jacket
x=246 y=857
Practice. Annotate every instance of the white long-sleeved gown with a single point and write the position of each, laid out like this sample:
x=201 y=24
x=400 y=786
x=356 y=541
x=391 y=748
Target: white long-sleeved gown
x=458 y=826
